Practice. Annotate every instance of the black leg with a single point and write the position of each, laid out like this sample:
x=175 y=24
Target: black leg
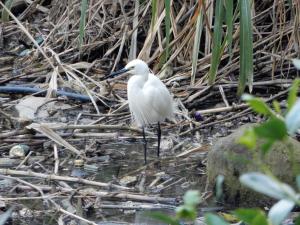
x=145 y=146
x=158 y=138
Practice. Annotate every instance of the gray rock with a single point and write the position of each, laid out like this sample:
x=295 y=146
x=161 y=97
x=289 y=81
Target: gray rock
x=231 y=159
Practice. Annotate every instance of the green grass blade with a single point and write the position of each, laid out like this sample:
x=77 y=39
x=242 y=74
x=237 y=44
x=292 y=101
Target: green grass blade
x=168 y=27
x=199 y=28
x=5 y=15
x=217 y=41
x=153 y=13
x=229 y=23
x=246 y=47
x=84 y=6
x=293 y=94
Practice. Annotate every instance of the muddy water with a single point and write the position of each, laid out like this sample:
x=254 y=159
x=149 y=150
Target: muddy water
x=126 y=160
x=177 y=176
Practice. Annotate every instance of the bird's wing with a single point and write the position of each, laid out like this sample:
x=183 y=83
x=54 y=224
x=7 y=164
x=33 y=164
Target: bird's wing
x=141 y=111
x=158 y=97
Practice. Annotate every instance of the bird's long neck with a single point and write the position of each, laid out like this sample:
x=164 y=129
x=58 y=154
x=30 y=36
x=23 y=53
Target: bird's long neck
x=143 y=78
x=136 y=83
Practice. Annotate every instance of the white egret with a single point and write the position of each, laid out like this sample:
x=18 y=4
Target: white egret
x=149 y=100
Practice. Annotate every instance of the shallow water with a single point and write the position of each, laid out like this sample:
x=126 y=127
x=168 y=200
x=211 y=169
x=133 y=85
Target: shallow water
x=178 y=176
x=167 y=176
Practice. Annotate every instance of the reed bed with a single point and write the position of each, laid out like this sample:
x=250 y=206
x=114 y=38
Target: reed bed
x=206 y=52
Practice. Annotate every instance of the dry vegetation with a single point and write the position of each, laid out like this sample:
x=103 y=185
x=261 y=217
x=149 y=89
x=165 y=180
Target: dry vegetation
x=41 y=48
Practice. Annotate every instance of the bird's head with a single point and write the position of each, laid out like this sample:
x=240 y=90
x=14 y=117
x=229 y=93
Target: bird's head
x=134 y=67
x=137 y=67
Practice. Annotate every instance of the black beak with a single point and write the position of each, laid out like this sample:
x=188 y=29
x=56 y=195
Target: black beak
x=113 y=74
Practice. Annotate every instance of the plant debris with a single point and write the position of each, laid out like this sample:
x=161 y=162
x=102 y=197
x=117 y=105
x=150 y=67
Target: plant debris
x=83 y=159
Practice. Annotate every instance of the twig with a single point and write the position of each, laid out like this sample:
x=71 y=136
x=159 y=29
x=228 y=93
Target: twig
x=56 y=159
x=24 y=160
x=63 y=178
x=197 y=149
x=60 y=209
x=222 y=109
x=26 y=183
x=97 y=126
x=223 y=96
x=108 y=195
x=232 y=117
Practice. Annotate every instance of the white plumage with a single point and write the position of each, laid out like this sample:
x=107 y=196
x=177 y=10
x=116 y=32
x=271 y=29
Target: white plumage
x=149 y=99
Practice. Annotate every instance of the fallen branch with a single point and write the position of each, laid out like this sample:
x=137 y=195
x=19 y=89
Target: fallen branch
x=92 y=193
x=61 y=178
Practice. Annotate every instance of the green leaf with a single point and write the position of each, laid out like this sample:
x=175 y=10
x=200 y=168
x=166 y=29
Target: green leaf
x=188 y=212
x=211 y=219
x=292 y=98
x=217 y=41
x=162 y=217
x=267 y=146
x=246 y=47
x=297 y=221
x=252 y=216
x=5 y=15
x=273 y=129
x=267 y=185
x=83 y=8
x=276 y=106
x=257 y=105
x=292 y=119
x=192 y=198
x=280 y=211
x=248 y=139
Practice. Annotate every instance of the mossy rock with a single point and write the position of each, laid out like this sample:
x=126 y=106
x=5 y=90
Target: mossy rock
x=230 y=159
